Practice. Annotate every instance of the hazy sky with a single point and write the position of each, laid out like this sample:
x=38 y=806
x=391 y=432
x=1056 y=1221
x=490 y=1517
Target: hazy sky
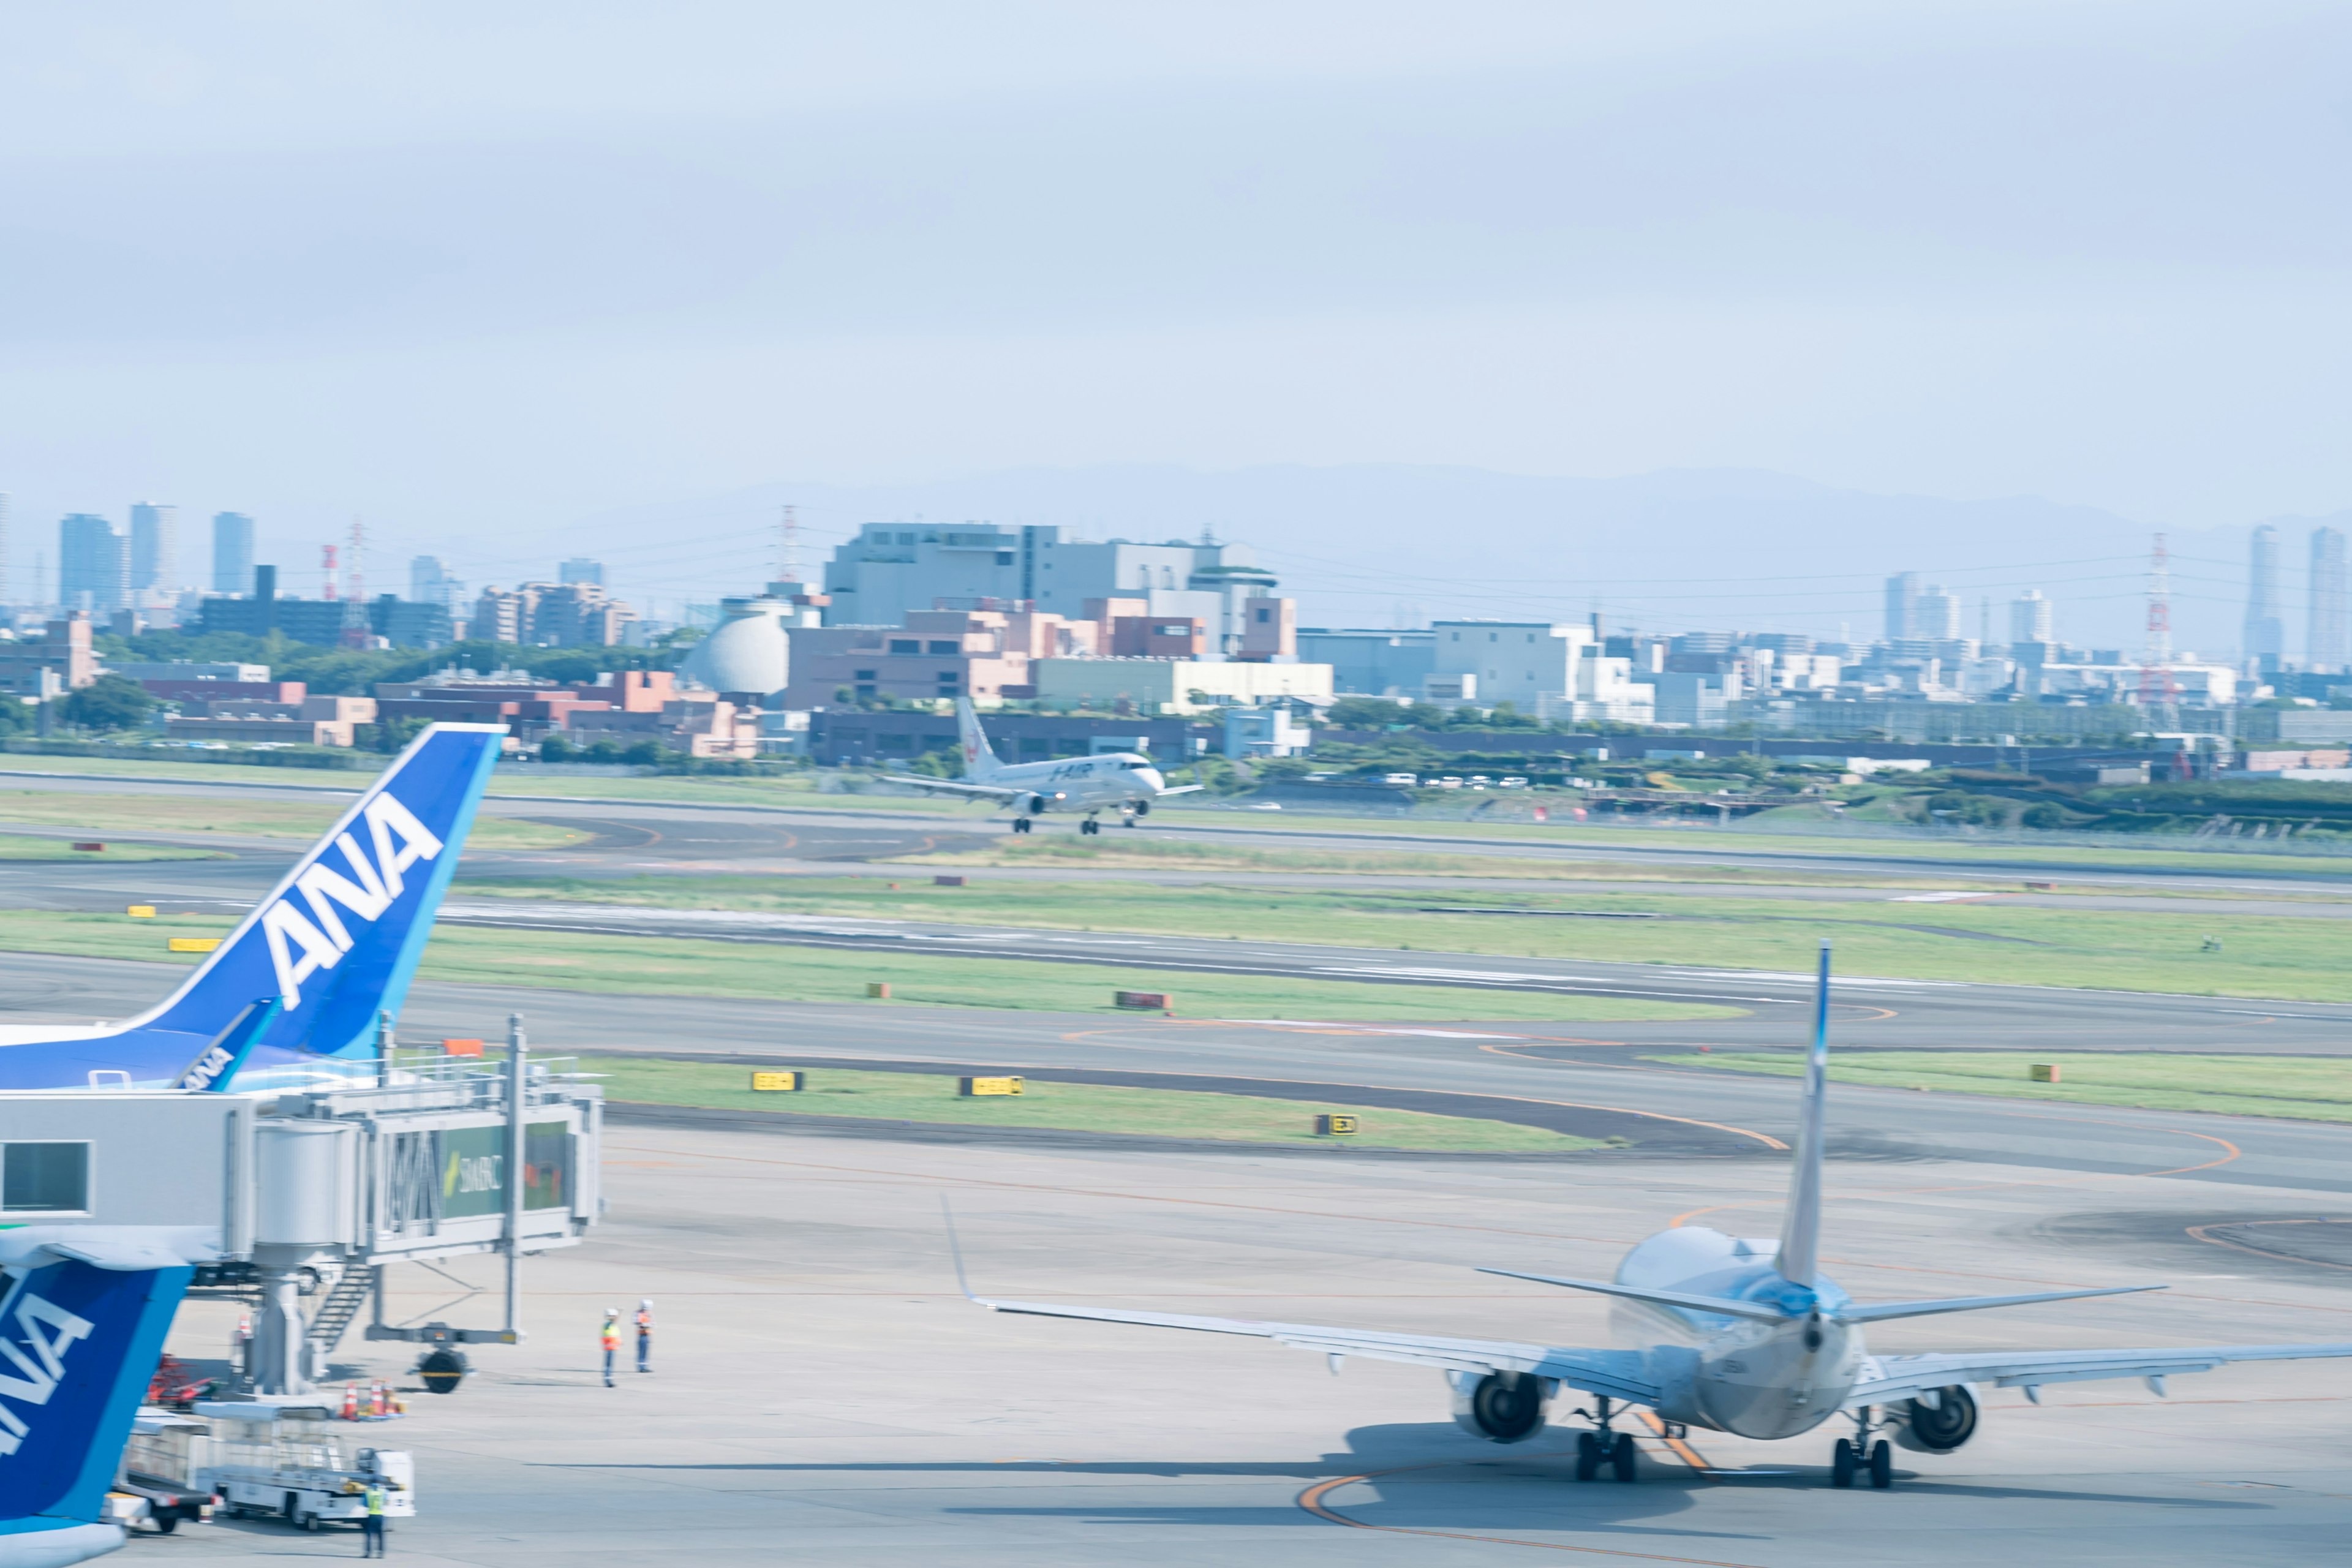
x=473 y=271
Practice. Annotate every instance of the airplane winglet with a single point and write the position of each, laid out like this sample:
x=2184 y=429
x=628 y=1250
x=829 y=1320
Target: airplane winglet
x=955 y=1251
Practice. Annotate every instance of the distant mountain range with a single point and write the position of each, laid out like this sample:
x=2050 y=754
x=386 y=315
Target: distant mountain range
x=1369 y=544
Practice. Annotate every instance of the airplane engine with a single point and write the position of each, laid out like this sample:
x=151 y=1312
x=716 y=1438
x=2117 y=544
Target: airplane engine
x=1501 y=1406
x=1036 y=806
x=1937 y=1429
x=1143 y=809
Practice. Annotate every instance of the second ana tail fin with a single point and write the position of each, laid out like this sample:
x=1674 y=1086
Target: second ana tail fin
x=1801 y=1231
x=979 y=763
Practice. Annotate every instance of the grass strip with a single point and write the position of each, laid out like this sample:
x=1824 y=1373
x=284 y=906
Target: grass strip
x=2303 y=1088
x=590 y=962
x=1070 y=1107
x=14 y=847
x=267 y=818
x=2271 y=955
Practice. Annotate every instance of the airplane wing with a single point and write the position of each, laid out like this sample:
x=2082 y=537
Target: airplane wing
x=1181 y=789
x=1892 y=1377
x=1620 y=1374
x=956 y=787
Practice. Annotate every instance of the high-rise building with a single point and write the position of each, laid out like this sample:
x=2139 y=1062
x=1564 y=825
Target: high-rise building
x=94 y=566
x=1902 y=599
x=1936 y=613
x=2329 y=644
x=154 y=555
x=2029 y=617
x=2265 y=638
x=580 y=569
x=232 y=553
x=429 y=582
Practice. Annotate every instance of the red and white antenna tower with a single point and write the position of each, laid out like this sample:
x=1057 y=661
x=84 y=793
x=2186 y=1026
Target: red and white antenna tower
x=327 y=571
x=2159 y=698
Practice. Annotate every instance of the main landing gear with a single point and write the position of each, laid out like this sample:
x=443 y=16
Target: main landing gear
x=1089 y=826
x=1859 y=1454
x=1023 y=824
x=1614 y=1449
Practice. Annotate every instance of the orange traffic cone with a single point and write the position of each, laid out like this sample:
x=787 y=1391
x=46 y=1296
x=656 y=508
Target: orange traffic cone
x=376 y=1395
x=351 y=1403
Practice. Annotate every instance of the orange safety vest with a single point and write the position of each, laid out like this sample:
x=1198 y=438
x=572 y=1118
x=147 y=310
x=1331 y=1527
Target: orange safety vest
x=611 y=1336
x=645 y=1323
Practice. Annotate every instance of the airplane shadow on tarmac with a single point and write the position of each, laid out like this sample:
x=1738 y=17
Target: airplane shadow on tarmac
x=1428 y=1477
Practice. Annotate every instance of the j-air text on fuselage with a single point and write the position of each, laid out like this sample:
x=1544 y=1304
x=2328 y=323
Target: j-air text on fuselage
x=1734 y=1335
x=1124 y=781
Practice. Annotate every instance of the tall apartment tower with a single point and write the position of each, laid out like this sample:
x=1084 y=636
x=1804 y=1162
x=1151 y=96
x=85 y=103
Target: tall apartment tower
x=1902 y=602
x=2265 y=634
x=1936 y=613
x=2329 y=645
x=154 y=562
x=580 y=569
x=2029 y=617
x=93 y=564
x=232 y=553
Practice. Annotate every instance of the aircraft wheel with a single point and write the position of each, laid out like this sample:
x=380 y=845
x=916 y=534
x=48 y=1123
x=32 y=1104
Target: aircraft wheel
x=1625 y=1458
x=1588 y=1456
x=1882 y=1465
x=1841 y=1464
x=1020 y=824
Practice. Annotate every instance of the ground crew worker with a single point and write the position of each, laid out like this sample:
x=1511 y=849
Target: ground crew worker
x=646 y=1335
x=371 y=1525
x=612 y=1341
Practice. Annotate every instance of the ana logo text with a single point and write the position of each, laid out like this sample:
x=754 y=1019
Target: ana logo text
x=49 y=1332
x=300 y=945
x=208 y=1069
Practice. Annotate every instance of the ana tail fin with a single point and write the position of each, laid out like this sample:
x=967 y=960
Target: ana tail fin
x=338 y=941
x=1801 y=1231
x=86 y=1331
x=979 y=763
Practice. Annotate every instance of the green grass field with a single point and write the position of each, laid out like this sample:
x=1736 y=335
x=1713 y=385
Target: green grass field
x=15 y=847
x=2302 y=1088
x=268 y=818
x=2264 y=957
x=676 y=966
x=1070 y=1107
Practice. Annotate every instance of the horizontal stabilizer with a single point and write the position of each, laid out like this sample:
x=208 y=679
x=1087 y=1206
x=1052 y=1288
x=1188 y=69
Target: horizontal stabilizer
x=1883 y=1311
x=1725 y=1305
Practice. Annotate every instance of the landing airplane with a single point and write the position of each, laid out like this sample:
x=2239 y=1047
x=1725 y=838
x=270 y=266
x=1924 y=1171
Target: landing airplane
x=303 y=979
x=82 y=1322
x=1739 y=1336
x=1126 y=781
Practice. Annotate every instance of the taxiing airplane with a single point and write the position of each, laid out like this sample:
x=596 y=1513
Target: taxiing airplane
x=1739 y=1336
x=304 y=978
x=1124 y=781
x=82 y=1324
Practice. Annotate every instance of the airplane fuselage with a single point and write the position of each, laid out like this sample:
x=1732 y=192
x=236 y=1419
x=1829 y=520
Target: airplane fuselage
x=1738 y=1375
x=1114 y=781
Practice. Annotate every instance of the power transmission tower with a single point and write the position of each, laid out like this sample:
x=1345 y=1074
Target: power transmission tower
x=2159 y=698
x=356 y=631
x=788 y=545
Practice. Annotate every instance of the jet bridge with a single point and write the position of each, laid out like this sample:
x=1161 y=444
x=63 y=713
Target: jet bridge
x=304 y=1196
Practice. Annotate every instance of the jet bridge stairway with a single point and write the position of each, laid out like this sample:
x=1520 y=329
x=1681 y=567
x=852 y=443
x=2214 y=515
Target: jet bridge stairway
x=339 y=1310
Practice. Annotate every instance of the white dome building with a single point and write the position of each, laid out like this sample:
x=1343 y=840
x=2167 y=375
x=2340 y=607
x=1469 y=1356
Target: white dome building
x=748 y=652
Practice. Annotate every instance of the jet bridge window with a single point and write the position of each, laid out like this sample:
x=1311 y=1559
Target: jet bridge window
x=45 y=1178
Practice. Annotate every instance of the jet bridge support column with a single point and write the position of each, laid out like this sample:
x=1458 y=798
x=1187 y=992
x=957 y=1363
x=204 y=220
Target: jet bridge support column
x=278 y=1334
